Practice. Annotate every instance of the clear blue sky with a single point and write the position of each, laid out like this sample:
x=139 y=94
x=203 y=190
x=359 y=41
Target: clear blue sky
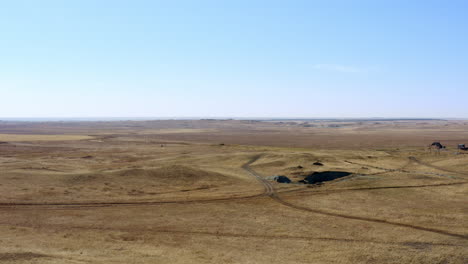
x=87 y=58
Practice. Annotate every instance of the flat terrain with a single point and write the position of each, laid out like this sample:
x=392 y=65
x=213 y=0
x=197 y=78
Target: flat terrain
x=201 y=191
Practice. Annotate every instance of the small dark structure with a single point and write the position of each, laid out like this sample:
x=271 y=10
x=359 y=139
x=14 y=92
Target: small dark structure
x=299 y=167
x=282 y=179
x=462 y=147
x=318 y=177
x=437 y=146
x=317 y=163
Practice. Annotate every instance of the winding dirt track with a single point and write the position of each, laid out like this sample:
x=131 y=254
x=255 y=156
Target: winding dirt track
x=270 y=191
x=58 y=206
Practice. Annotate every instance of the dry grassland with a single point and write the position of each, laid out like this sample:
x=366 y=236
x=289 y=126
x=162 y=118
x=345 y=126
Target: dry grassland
x=198 y=192
x=19 y=138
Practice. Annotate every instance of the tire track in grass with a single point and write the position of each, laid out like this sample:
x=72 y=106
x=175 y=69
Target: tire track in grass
x=414 y=159
x=114 y=204
x=245 y=235
x=403 y=170
x=312 y=192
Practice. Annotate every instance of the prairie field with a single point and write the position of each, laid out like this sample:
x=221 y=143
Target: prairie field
x=205 y=191
x=15 y=138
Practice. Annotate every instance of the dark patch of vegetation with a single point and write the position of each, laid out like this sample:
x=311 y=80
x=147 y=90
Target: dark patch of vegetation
x=317 y=163
x=282 y=179
x=318 y=177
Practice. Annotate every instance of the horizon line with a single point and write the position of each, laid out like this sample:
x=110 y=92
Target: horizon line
x=154 y=118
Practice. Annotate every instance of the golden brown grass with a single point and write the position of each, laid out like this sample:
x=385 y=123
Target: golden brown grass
x=18 y=138
x=133 y=196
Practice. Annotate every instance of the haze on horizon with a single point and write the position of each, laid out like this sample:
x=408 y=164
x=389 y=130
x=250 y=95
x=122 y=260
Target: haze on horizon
x=234 y=59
